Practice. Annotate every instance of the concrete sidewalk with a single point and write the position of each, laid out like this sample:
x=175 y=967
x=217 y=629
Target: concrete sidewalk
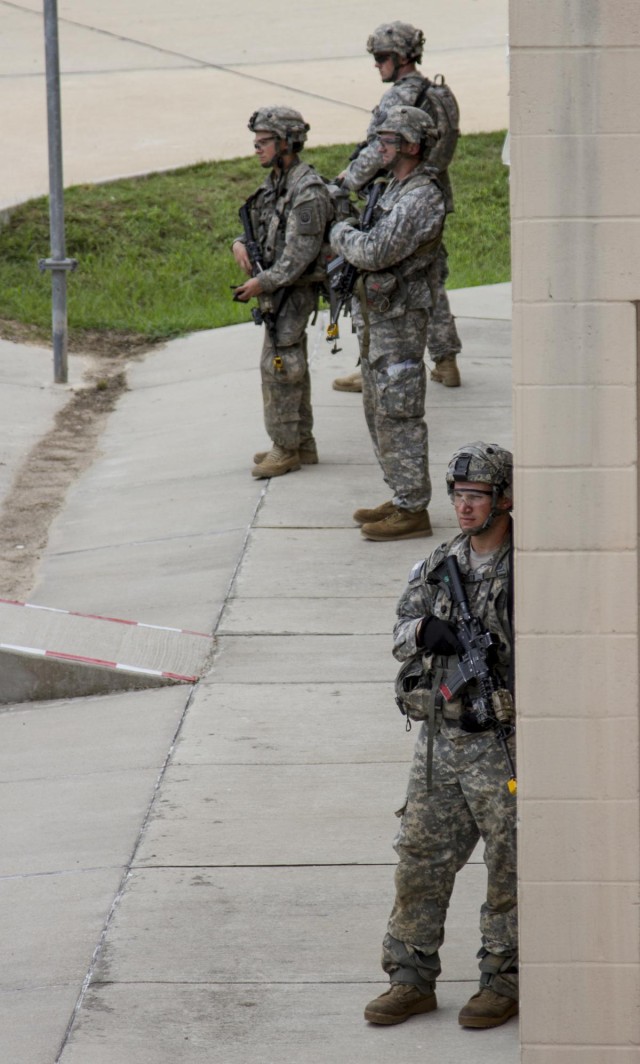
x=204 y=873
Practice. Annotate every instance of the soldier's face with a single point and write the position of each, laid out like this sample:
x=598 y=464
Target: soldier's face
x=388 y=148
x=385 y=66
x=266 y=147
x=472 y=502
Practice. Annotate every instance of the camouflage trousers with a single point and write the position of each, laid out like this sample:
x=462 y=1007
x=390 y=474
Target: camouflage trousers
x=394 y=387
x=286 y=384
x=442 y=336
x=469 y=801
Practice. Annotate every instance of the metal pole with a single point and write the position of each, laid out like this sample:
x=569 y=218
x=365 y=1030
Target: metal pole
x=59 y=264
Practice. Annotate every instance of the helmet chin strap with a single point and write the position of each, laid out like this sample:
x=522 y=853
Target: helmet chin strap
x=470 y=532
x=396 y=66
x=398 y=61
x=278 y=159
x=495 y=512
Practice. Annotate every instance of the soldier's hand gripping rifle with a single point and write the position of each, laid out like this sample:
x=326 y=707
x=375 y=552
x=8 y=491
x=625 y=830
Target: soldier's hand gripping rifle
x=266 y=312
x=342 y=275
x=492 y=706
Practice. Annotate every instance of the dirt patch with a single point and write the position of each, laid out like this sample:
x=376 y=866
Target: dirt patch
x=107 y=343
x=43 y=479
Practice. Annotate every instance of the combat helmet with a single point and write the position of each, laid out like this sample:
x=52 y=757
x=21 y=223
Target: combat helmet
x=483 y=463
x=398 y=38
x=410 y=123
x=288 y=124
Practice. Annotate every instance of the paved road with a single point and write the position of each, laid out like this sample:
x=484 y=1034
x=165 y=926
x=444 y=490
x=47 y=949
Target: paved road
x=154 y=85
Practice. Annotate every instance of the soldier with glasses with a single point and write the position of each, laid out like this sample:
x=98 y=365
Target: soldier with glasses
x=458 y=790
x=391 y=309
x=289 y=215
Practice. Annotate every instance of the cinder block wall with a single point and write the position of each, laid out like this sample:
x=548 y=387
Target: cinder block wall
x=575 y=176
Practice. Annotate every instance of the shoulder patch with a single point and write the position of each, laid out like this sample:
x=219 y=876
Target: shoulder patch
x=416 y=571
x=309 y=218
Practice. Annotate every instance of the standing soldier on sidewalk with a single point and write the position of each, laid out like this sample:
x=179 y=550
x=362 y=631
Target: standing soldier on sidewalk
x=390 y=307
x=460 y=787
x=289 y=215
x=397 y=48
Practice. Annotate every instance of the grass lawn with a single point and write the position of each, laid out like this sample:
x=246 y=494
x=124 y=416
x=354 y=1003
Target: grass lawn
x=153 y=252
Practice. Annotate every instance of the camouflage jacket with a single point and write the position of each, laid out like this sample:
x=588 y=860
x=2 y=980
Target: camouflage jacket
x=439 y=102
x=289 y=215
x=427 y=594
x=394 y=256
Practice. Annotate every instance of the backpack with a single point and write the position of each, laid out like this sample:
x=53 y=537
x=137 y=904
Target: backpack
x=437 y=99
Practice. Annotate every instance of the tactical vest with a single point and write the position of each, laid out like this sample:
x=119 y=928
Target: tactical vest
x=418 y=682
x=270 y=213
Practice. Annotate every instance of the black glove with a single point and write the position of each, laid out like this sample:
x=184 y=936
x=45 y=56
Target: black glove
x=439 y=637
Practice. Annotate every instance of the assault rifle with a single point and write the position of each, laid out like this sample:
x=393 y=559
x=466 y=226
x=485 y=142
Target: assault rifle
x=266 y=312
x=492 y=706
x=342 y=275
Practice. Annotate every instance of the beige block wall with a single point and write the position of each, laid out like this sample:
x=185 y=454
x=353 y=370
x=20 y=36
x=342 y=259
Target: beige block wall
x=575 y=173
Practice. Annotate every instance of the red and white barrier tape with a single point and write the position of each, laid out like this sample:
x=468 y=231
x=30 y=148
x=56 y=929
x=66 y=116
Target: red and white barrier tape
x=35 y=652
x=98 y=617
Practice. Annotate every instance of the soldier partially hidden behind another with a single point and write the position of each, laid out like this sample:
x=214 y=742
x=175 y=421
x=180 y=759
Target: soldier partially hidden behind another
x=289 y=215
x=458 y=789
x=396 y=48
x=390 y=308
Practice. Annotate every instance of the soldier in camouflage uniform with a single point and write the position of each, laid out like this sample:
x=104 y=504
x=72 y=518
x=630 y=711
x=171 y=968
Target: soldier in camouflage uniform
x=458 y=788
x=289 y=215
x=390 y=310
x=396 y=48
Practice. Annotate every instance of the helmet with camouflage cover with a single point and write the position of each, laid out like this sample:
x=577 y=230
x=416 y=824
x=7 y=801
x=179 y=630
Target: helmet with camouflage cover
x=410 y=123
x=483 y=463
x=398 y=38
x=285 y=122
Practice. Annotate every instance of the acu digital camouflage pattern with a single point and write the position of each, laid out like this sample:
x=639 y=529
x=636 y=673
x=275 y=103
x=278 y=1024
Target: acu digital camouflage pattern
x=442 y=339
x=289 y=217
x=391 y=314
x=428 y=594
x=468 y=800
x=442 y=336
x=399 y=37
x=287 y=123
x=439 y=103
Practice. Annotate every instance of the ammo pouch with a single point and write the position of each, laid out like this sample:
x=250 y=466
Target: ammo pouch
x=418 y=697
x=412 y=694
x=380 y=289
x=417 y=687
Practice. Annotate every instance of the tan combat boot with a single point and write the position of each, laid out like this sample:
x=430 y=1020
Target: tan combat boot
x=365 y=517
x=276 y=462
x=487 y=1009
x=398 y=1003
x=308 y=454
x=401 y=524
x=352 y=383
x=446 y=372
